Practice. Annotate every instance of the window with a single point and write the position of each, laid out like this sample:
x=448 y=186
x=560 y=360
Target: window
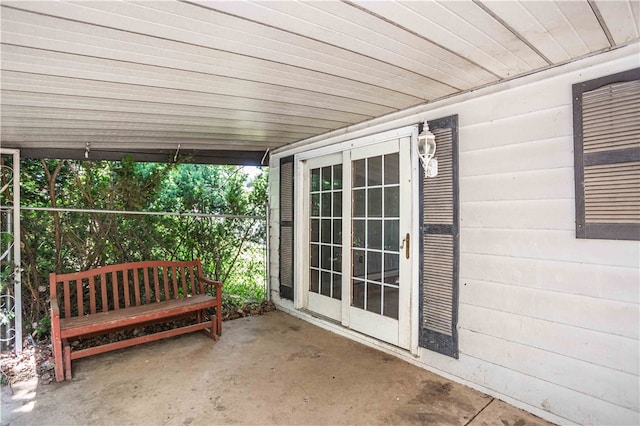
x=606 y=126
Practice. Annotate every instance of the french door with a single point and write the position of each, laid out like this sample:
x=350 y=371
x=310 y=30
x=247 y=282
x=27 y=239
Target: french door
x=325 y=230
x=357 y=210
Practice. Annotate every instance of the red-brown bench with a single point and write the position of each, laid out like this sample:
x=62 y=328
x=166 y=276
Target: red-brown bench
x=125 y=296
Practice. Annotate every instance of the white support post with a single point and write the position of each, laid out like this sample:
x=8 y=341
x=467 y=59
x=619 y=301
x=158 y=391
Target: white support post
x=14 y=227
x=17 y=286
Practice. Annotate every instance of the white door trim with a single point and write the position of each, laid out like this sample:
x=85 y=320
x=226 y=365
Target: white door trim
x=357 y=143
x=415 y=249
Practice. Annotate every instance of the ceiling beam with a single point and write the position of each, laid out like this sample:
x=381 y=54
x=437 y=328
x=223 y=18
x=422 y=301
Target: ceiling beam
x=223 y=157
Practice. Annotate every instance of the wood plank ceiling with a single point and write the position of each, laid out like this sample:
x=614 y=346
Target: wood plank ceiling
x=227 y=80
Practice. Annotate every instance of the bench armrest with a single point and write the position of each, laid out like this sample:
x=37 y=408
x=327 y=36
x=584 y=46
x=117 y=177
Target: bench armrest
x=218 y=285
x=55 y=310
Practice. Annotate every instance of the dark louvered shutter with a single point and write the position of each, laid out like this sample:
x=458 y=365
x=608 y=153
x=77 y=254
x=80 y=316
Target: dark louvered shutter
x=286 y=228
x=439 y=244
x=607 y=156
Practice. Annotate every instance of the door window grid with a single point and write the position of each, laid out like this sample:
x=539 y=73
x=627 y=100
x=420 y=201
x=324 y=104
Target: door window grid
x=375 y=234
x=326 y=231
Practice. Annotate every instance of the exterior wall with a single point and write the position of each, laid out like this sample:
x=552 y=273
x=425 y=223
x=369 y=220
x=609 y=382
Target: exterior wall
x=548 y=322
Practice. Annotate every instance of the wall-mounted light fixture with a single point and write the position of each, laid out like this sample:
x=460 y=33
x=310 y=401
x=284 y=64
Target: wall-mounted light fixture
x=87 y=149
x=427 y=151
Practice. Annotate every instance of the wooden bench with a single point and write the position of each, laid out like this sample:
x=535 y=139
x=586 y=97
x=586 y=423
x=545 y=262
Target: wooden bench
x=125 y=296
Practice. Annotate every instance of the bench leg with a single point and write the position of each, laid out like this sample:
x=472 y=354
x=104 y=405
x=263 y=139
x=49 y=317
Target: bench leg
x=67 y=361
x=211 y=332
x=57 y=357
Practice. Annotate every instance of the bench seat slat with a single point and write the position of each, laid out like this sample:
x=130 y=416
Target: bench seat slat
x=104 y=321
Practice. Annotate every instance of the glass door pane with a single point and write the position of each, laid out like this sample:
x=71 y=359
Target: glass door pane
x=325 y=242
x=376 y=234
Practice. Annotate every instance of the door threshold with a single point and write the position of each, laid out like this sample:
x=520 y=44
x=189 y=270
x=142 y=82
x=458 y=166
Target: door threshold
x=355 y=335
x=320 y=316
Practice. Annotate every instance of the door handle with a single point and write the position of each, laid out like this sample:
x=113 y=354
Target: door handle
x=406 y=245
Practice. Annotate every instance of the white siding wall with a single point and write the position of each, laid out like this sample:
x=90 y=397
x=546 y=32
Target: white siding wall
x=546 y=320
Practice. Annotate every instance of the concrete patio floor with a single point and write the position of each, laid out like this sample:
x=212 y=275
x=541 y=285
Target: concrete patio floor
x=270 y=369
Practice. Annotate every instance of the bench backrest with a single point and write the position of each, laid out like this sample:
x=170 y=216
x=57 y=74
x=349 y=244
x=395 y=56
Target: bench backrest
x=128 y=284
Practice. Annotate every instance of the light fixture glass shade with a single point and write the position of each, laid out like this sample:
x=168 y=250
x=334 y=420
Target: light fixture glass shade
x=426 y=143
x=427 y=150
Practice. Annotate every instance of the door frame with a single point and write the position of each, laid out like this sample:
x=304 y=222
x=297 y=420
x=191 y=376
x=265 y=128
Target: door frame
x=300 y=272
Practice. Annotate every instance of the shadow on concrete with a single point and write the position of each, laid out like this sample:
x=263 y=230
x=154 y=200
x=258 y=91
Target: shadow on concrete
x=270 y=369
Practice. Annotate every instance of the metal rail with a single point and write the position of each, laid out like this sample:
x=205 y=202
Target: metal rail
x=129 y=212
